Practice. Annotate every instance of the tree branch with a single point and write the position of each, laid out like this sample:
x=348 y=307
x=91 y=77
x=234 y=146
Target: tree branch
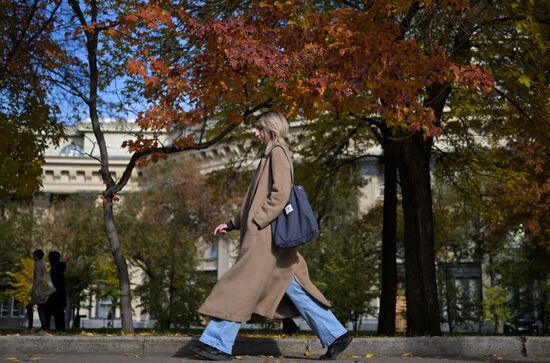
x=117 y=187
x=462 y=39
x=18 y=42
x=492 y=21
x=78 y=12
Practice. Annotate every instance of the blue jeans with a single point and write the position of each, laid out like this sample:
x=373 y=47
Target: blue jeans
x=221 y=334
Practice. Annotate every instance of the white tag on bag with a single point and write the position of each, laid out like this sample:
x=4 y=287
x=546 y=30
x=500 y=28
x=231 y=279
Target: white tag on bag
x=288 y=209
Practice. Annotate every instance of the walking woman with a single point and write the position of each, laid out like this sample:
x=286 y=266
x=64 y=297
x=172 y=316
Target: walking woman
x=38 y=274
x=266 y=282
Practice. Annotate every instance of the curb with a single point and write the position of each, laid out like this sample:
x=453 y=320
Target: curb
x=468 y=347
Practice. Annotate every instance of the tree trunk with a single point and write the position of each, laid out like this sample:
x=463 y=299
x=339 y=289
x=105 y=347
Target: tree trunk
x=545 y=318
x=413 y=164
x=450 y=299
x=122 y=268
x=499 y=326
x=388 y=296
x=171 y=292
x=92 y=40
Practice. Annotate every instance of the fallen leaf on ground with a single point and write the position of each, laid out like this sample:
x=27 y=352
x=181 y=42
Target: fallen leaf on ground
x=307 y=352
x=406 y=355
x=12 y=359
x=369 y=355
x=32 y=358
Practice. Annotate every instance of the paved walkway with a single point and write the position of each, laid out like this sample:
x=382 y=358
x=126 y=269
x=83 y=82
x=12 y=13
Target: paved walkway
x=130 y=358
x=60 y=348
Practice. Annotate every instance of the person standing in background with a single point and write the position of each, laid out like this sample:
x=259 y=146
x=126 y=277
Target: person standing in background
x=38 y=274
x=55 y=306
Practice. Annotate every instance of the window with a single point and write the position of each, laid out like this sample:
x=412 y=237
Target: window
x=380 y=190
x=4 y=308
x=212 y=252
x=80 y=176
x=103 y=308
x=16 y=310
x=72 y=151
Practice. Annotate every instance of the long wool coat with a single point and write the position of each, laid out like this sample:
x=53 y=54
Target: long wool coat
x=253 y=290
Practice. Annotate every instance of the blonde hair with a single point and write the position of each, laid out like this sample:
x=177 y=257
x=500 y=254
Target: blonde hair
x=274 y=124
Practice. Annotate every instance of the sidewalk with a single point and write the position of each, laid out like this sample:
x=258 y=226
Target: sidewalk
x=112 y=358
x=475 y=347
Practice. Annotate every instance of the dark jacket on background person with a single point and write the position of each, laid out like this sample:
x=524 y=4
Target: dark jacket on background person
x=55 y=306
x=57 y=273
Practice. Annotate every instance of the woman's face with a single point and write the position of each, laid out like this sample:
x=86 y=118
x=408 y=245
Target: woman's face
x=261 y=134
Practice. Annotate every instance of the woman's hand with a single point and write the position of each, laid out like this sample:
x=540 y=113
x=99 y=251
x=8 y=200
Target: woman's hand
x=222 y=228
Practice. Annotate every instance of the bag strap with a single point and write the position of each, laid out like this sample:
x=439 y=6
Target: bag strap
x=268 y=159
x=289 y=162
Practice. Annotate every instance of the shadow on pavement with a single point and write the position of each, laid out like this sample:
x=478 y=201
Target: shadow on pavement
x=243 y=346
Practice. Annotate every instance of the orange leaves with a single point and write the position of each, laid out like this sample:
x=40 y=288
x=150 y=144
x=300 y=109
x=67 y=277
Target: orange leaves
x=184 y=143
x=153 y=15
x=139 y=144
x=474 y=77
x=457 y=5
x=137 y=67
x=310 y=60
x=155 y=157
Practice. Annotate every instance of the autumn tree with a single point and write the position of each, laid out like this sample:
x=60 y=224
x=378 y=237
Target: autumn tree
x=94 y=40
x=16 y=236
x=498 y=154
x=27 y=115
x=166 y=228
x=20 y=287
x=523 y=268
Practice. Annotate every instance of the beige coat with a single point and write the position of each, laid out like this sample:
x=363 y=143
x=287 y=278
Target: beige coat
x=254 y=288
x=38 y=274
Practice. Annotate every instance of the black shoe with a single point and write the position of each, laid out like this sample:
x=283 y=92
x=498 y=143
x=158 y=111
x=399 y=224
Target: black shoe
x=290 y=327
x=210 y=353
x=337 y=347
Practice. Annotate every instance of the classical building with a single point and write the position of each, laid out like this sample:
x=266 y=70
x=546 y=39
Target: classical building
x=73 y=167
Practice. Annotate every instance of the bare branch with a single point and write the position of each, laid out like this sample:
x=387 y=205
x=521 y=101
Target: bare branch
x=83 y=153
x=203 y=129
x=76 y=8
x=46 y=23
